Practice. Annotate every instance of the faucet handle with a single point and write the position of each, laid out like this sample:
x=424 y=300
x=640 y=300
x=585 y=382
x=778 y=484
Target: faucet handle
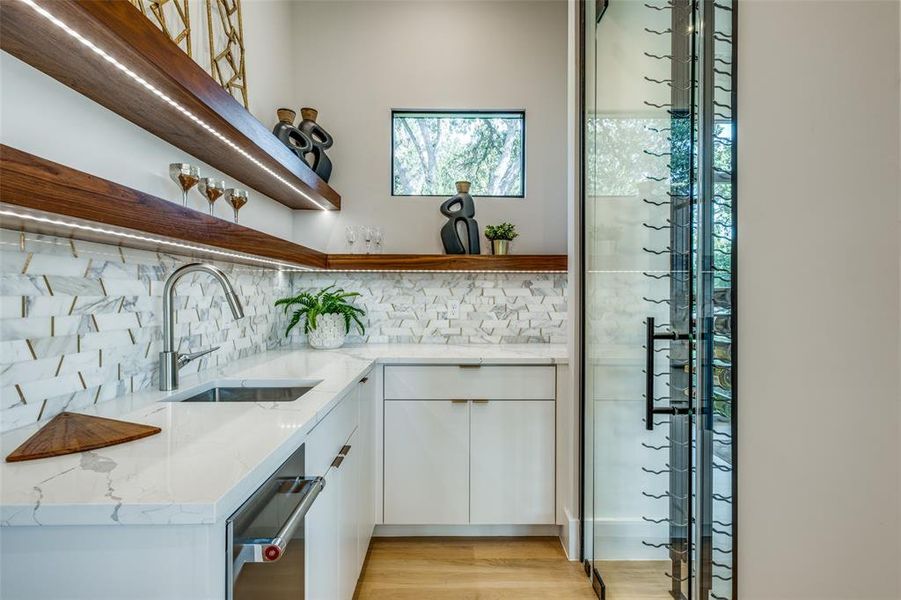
x=184 y=359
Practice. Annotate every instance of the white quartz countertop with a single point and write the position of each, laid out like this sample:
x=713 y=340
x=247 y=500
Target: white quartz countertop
x=209 y=457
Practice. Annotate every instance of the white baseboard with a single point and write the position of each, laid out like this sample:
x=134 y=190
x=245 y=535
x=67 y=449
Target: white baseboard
x=466 y=530
x=569 y=535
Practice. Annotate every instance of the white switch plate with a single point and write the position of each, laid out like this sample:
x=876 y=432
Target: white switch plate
x=453 y=309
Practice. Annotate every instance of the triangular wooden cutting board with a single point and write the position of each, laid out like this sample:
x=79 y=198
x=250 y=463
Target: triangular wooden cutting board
x=67 y=433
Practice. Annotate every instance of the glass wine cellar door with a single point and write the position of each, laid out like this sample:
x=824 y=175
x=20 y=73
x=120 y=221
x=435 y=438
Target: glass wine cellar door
x=658 y=305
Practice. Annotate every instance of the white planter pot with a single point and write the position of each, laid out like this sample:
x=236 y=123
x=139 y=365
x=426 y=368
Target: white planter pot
x=329 y=332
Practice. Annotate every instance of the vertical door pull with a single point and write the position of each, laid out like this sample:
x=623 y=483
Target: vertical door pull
x=650 y=338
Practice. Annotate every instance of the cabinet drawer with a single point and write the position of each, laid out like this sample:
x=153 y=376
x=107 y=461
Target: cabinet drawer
x=452 y=382
x=331 y=433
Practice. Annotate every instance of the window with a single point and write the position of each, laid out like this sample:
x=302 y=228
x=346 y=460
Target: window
x=431 y=150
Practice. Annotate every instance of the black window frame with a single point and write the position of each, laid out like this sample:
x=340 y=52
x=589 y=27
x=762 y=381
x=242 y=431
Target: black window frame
x=453 y=111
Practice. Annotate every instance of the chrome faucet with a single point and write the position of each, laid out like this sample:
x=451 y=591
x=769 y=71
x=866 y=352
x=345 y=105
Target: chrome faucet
x=170 y=360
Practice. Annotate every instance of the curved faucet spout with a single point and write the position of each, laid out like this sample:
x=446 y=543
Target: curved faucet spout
x=169 y=360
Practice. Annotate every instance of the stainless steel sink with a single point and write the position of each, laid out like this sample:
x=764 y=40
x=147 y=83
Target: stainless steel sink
x=249 y=394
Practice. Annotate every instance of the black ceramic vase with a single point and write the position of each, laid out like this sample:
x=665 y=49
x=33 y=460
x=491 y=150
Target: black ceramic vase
x=321 y=141
x=460 y=208
x=296 y=141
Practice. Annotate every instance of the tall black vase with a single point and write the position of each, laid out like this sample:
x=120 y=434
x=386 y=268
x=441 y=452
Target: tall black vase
x=460 y=208
x=321 y=140
x=296 y=141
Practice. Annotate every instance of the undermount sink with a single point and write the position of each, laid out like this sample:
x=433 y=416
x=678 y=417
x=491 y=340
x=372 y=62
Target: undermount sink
x=245 y=391
x=249 y=394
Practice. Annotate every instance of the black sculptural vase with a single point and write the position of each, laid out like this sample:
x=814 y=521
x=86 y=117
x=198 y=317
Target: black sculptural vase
x=296 y=141
x=460 y=209
x=321 y=140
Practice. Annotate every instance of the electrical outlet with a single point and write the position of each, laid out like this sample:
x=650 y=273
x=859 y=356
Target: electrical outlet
x=453 y=309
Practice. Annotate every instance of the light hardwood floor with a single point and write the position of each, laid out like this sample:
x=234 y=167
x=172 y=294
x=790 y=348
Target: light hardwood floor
x=470 y=569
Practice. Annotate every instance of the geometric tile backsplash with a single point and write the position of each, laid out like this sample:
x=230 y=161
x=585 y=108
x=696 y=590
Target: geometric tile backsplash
x=80 y=321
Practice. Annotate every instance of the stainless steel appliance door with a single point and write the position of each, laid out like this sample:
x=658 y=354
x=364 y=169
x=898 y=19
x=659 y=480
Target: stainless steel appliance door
x=265 y=554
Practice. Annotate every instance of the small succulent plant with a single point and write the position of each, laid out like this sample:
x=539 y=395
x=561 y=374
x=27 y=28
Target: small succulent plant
x=504 y=231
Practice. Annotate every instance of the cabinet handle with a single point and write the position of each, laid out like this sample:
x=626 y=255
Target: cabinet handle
x=338 y=460
x=481 y=401
x=459 y=401
x=469 y=366
x=364 y=380
x=344 y=450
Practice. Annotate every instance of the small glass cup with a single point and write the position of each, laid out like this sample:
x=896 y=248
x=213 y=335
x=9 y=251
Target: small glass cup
x=236 y=197
x=186 y=176
x=212 y=189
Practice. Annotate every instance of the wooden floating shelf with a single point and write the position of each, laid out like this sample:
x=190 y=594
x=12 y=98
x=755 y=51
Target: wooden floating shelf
x=258 y=159
x=41 y=185
x=33 y=189
x=544 y=263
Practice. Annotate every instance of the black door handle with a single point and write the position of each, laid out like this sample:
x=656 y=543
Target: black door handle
x=652 y=336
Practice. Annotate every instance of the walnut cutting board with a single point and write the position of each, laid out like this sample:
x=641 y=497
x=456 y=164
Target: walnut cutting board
x=67 y=433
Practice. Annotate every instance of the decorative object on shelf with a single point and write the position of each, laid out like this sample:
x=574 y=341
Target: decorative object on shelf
x=292 y=137
x=460 y=208
x=225 y=29
x=501 y=236
x=68 y=433
x=186 y=176
x=212 y=189
x=321 y=140
x=327 y=316
x=162 y=13
x=236 y=198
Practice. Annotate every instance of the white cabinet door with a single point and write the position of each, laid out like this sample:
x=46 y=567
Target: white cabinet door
x=426 y=462
x=512 y=462
x=321 y=543
x=348 y=518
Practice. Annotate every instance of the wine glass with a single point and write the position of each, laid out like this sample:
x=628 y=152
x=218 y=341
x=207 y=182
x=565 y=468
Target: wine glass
x=350 y=234
x=186 y=176
x=367 y=237
x=236 y=197
x=378 y=238
x=211 y=188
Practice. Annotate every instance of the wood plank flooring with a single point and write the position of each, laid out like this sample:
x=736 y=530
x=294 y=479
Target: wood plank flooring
x=636 y=579
x=471 y=569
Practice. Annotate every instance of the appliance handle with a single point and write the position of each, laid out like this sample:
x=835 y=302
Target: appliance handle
x=262 y=551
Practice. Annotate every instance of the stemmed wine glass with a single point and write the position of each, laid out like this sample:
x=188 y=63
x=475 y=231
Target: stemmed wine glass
x=350 y=234
x=212 y=189
x=186 y=176
x=236 y=197
x=378 y=239
x=367 y=237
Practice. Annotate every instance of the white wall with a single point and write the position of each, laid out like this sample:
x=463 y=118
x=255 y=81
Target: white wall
x=357 y=60
x=818 y=379
x=46 y=118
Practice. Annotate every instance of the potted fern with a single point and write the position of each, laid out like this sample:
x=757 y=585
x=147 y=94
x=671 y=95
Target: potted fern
x=501 y=236
x=327 y=316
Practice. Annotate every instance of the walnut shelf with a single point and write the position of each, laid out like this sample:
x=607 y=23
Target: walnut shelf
x=257 y=159
x=544 y=263
x=37 y=184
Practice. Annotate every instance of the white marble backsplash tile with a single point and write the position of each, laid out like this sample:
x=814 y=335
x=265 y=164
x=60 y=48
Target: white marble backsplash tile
x=497 y=308
x=80 y=321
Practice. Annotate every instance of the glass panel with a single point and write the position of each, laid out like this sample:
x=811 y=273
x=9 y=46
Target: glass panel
x=716 y=422
x=432 y=150
x=638 y=183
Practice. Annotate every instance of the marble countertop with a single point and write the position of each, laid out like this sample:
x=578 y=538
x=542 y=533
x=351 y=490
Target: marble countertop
x=209 y=457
